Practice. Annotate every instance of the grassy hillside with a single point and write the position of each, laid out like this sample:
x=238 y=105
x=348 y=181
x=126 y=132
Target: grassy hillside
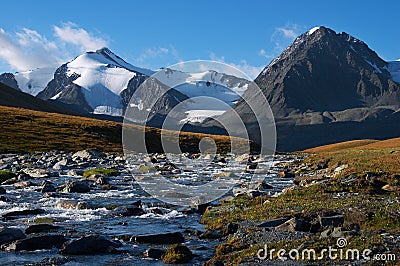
x=357 y=179
x=25 y=130
x=13 y=98
x=368 y=144
x=341 y=146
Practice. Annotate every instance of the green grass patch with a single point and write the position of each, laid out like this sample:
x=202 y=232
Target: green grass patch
x=101 y=171
x=5 y=175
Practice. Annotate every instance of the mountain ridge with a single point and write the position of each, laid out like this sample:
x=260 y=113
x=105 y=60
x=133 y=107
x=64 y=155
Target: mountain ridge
x=321 y=88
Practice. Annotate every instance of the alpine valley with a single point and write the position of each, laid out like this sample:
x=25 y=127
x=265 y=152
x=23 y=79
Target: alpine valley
x=324 y=88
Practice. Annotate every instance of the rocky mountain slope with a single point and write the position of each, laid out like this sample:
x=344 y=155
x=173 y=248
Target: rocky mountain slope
x=327 y=87
x=15 y=98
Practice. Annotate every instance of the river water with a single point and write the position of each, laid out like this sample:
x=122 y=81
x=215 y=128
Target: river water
x=98 y=218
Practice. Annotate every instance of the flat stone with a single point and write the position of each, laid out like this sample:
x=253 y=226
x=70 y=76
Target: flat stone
x=335 y=221
x=15 y=214
x=294 y=225
x=273 y=222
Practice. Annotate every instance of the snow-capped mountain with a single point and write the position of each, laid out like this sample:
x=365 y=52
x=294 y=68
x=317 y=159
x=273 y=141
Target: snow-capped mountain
x=100 y=82
x=93 y=82
x=31 y=82
x=203 y=94
x=326 y=87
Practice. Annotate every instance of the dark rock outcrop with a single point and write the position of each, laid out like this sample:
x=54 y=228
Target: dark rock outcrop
x=9 y=80
x=37 y=243
x=16 y=214
x=90 y=245
x=38 y=228
x=326 y=87
x=8 y=235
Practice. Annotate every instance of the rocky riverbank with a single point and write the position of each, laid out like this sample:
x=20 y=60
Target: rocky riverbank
x=65 y=207
x=344 y=200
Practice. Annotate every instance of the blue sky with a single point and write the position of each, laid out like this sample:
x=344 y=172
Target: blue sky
x=153 y=34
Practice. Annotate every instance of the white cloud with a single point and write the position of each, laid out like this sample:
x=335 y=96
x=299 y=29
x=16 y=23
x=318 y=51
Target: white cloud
x=72 y=34
x=27 y=49
x=288 y=32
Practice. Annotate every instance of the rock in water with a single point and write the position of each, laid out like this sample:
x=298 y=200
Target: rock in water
x=61 y=165
x=128 y=211
x=47 y=187
x=73 y=204
x=38 y=228
x=154 y=253
x=177 y=254
x=77 y=187
x=8 y=235
x=37 y=243
x=15 y=214
x=168 y=238
x=90 y=245
x=87 y=154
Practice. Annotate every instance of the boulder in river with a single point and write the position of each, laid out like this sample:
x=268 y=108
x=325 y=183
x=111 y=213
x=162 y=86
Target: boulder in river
x=37 y=173
x=72 y=204
x=167 y=238
x=177 y=254
x=37 y=243
x=47 y=186
x=8 y=235
x=61 y=165
x=2 y=190
x=87 y=154
x=128 y=211
x=93 y=244
x=81 y=186
x=15 y=214
x=38 y=228
x=24 y=184
x=154 y=253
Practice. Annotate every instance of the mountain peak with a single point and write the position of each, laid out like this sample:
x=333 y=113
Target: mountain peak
x=104 y=50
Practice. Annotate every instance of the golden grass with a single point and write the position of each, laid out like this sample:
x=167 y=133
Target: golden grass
x=383 y=144
x=341 y=146
x=25 y=130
